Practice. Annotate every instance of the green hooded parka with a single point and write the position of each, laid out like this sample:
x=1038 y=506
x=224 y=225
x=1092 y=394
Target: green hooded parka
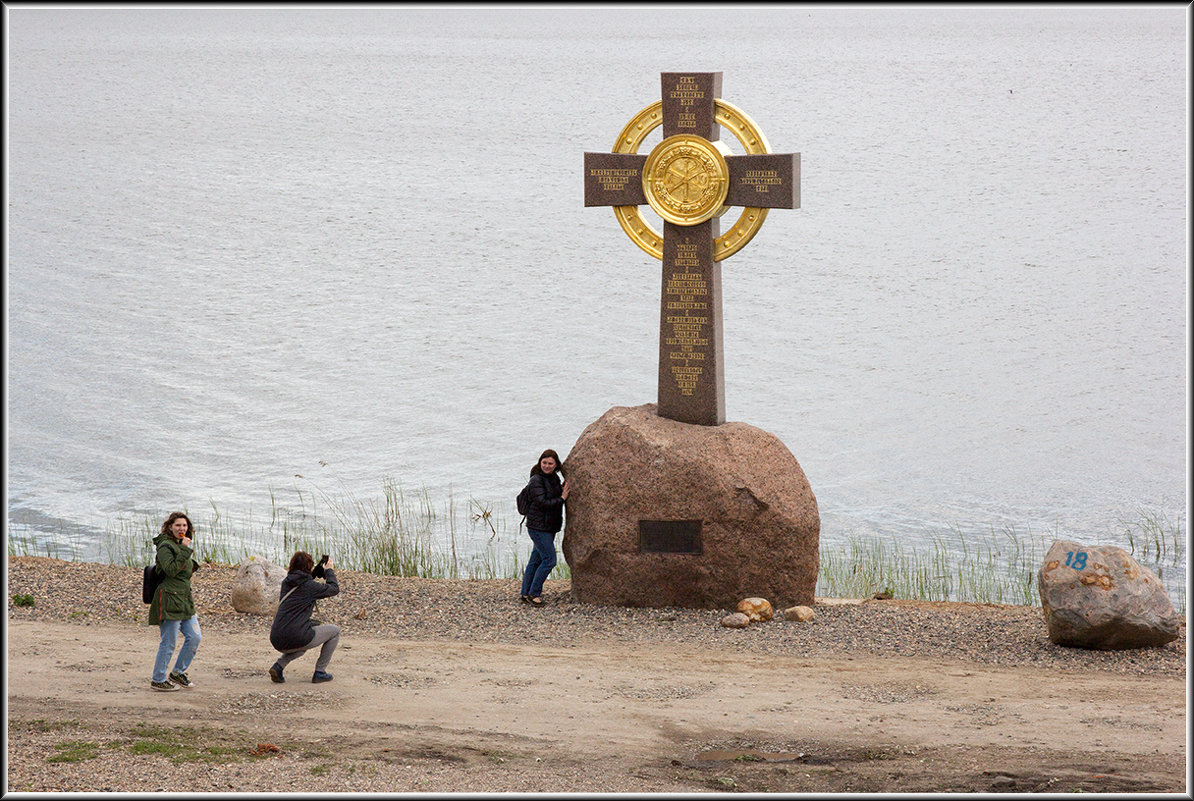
x=173 y=600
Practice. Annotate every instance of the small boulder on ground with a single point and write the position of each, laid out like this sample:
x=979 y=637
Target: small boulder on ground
x=735 y=620
x=756 y=609
x=257 y=585
x=802 y=614
x=1099 y=597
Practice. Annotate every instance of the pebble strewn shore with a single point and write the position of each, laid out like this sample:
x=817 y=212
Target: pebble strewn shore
x=489 y=611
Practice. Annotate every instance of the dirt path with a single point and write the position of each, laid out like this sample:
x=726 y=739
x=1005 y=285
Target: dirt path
x=406 y=715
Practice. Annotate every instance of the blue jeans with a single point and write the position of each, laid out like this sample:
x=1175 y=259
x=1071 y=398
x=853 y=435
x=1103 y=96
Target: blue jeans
x=542 y=561
x=190 y=644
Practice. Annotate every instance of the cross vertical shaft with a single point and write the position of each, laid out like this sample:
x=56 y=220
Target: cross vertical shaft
x=691 y=375
x=691 y=372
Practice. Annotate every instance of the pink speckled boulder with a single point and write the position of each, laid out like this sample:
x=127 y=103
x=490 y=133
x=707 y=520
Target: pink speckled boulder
x=1099 y=597
x=759 y=528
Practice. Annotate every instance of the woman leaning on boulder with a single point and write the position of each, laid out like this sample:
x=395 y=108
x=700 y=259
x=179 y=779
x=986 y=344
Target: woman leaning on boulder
x=173 y=606
x=544 y=519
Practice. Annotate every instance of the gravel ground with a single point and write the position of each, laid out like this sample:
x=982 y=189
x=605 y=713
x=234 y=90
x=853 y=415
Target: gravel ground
x=489 y=611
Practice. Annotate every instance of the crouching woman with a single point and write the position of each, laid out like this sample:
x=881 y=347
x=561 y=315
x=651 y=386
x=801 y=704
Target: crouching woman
x=294 y=632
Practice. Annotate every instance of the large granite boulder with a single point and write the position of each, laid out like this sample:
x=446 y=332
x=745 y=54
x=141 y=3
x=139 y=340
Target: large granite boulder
x=759 y=528
x=1100 y=597
x=257 y=585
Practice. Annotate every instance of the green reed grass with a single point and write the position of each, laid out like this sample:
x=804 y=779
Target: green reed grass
x=65 y=543
x=999 y=568
x=409 y=534
x=395 y=534
x=1154 y=541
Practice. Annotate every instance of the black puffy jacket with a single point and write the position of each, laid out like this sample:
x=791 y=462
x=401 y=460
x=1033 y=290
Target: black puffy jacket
x=547 y=507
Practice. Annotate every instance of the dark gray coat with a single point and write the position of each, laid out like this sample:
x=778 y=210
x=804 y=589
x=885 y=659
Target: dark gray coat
x=292 y=623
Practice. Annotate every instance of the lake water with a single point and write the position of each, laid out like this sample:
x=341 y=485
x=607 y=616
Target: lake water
x=249 y=245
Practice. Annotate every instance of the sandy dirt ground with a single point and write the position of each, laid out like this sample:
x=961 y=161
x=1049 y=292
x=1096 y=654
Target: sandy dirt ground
x=431 y=716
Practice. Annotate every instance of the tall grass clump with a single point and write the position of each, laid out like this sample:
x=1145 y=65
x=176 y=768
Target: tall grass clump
x=1154 y=541
x=1159 y=544
x=393 y=534
x=67 y=542
x=1001 y=568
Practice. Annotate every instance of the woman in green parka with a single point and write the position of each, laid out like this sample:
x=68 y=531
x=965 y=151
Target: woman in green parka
x=173 y=606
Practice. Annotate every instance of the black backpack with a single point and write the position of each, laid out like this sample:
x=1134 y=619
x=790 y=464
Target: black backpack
x=524 y=500
x=150 y=580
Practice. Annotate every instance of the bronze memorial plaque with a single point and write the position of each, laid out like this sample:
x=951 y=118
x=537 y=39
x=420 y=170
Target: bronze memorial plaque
x=669 y=536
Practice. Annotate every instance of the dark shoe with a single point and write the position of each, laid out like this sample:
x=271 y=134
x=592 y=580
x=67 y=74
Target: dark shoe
x=181 y=680
x=536 y=601
x=320 y=677
x=275 y=673
x=526 y=599
x=164 y=686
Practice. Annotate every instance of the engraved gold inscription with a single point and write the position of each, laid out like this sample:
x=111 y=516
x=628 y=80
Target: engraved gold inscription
x=761 y=180
x=686 y=305
x=613 y=179
x=686 y=92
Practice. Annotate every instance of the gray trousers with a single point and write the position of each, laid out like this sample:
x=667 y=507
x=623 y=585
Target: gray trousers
x=326 y=635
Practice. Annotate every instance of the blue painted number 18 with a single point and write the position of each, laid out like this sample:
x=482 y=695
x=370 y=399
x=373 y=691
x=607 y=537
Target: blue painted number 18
x=1076 y=561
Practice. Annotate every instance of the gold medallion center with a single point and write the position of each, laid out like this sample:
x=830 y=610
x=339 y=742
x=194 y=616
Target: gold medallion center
x=686 y=179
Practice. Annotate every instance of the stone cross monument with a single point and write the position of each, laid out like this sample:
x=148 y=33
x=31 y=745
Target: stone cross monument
x=690 y=179
x=674 y=506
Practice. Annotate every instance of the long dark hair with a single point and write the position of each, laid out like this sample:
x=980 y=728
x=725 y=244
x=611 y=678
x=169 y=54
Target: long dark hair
x=170 y=522
x=549 y=452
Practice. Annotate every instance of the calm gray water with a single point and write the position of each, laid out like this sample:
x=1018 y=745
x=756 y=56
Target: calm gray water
x=250 y=245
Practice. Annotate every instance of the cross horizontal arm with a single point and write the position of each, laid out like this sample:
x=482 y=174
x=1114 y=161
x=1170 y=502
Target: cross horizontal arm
x=614 y=179
x=767 y=181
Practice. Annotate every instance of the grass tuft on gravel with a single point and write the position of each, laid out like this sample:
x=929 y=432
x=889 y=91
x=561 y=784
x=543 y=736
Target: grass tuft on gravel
x=184 y=744
x=43 y=725
x=74 y=751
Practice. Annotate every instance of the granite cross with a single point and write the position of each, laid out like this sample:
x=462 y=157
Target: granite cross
x=690 y=179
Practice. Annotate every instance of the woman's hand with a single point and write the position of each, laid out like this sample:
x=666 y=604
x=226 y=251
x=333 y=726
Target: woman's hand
x=565 y=490
x=186 y=541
